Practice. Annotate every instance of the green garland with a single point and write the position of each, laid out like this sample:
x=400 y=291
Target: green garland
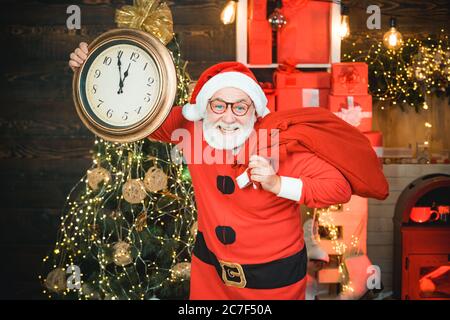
x=404 y=77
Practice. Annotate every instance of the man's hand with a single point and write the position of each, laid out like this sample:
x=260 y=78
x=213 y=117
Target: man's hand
x=78 y=56
x=263 y=172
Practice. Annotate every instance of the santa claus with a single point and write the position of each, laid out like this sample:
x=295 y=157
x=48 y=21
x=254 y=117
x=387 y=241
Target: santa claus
x=249 y=243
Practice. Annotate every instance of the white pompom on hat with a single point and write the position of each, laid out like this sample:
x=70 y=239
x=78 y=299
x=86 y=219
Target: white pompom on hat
x=224 y=75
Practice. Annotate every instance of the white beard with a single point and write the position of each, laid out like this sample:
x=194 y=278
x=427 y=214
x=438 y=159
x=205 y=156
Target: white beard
x=216 y=139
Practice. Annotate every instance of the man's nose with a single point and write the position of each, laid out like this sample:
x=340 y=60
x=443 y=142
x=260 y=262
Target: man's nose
x=228 y=116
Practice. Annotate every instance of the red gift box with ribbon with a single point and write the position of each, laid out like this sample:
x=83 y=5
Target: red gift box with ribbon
x=355 y=110
x=257 y=9
x=299 y=89
x=376 y=140
x=349 y=78
x=259 y=42
x=270 y=93
x=306 y=37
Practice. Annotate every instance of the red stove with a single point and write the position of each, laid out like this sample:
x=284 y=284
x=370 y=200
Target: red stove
x=422 y=240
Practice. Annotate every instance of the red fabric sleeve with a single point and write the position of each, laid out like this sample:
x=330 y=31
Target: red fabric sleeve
x=323 y=184
x=175 y=120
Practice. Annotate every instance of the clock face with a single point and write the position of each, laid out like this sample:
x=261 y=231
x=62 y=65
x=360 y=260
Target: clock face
x=120 y=84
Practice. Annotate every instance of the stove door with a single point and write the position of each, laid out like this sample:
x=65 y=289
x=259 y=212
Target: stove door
x=429 y=277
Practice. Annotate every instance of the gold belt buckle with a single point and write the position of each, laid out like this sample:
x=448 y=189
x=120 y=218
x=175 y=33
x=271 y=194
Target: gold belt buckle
x=231 y=271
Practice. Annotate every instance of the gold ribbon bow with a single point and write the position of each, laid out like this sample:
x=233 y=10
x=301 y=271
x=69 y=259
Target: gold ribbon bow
x=151 y=16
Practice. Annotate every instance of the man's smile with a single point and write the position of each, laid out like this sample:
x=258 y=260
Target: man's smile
x=227 y=130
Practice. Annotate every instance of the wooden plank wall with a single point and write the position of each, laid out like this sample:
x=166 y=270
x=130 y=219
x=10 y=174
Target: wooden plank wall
x=45 y=149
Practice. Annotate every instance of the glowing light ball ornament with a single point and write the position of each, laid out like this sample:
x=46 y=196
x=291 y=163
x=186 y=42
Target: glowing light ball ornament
x=228 y=14
x=393 y=39
x=344 y=28
x=122 y=253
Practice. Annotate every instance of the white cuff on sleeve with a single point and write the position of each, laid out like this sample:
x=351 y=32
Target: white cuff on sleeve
x=291 y=188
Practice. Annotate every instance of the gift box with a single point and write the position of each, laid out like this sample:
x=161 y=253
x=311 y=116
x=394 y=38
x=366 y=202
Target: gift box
x=306 y=37
x=259 y=42
x=257 y=9
x=355 y=110
x=376 y=140
x=349 y=78
x=270 y=93
x=297 y=89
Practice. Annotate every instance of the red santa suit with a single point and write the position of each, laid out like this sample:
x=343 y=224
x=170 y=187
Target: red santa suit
x=250 y=241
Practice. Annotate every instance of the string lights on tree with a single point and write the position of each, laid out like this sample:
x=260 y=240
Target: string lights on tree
x=128 y=224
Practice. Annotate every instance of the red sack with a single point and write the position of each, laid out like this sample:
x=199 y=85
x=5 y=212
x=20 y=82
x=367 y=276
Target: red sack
x=355 y=110
x=306 y=37
x=349 y=78
x=259 y=42
x=298 y=89
x=319 y=131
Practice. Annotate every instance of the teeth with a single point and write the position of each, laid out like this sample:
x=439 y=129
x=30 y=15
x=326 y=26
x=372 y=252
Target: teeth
x=225 y=130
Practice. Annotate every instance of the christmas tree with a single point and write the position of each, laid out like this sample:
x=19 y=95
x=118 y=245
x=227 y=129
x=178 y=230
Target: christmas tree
x=128 y=226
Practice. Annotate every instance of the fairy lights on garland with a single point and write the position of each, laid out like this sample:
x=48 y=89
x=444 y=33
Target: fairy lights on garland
x=407 y=75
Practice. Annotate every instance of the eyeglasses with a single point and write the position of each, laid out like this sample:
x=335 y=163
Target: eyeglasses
x=219 y=106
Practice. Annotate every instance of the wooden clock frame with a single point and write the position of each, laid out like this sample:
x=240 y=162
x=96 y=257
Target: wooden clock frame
x=164 y=101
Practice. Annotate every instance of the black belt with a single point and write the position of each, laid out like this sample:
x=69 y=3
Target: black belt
x=270 y=275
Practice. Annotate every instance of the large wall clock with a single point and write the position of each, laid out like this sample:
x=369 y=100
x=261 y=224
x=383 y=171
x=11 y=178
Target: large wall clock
x=126 y=87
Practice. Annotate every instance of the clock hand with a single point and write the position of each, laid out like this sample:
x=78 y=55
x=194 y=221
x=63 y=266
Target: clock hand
x=125 y=74
x=119 y=64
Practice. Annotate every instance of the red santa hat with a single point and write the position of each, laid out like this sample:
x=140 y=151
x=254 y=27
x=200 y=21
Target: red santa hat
x=224 y=75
